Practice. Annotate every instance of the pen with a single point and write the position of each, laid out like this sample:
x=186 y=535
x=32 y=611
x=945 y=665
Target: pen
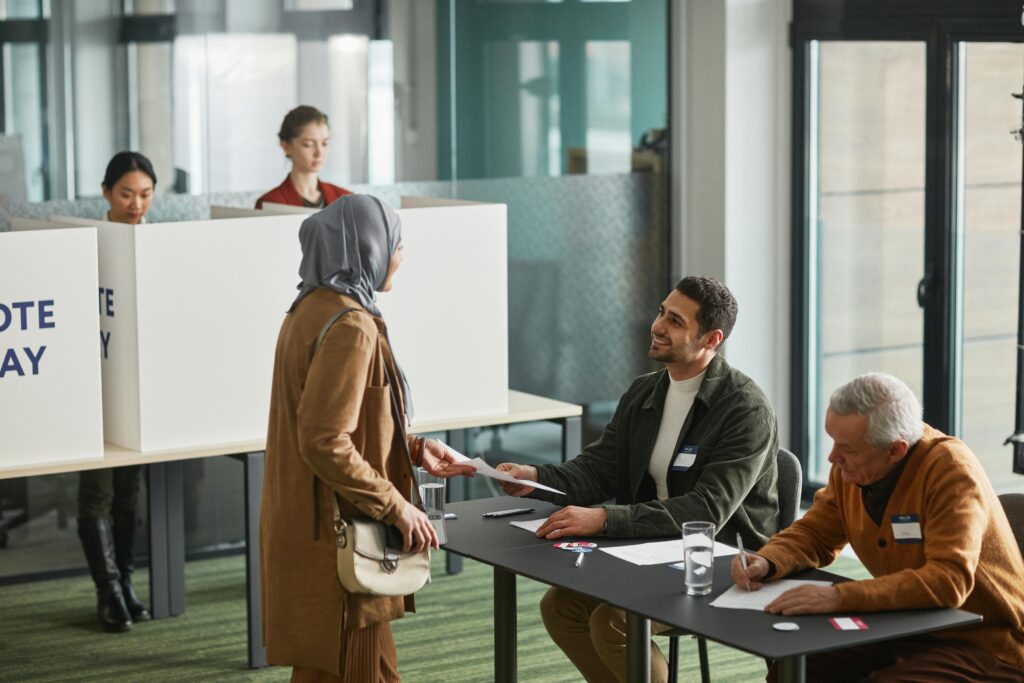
x=506 y=513
x=743 y=557
x=579 y=559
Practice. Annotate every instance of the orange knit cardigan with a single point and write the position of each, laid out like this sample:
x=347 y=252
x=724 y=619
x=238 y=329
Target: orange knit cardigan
x=967 y=558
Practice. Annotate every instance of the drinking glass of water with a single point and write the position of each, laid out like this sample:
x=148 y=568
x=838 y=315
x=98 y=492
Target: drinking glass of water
x=431 y=491
x=699 y=556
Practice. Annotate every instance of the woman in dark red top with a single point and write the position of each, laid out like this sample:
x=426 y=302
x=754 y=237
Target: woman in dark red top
x=304 y=137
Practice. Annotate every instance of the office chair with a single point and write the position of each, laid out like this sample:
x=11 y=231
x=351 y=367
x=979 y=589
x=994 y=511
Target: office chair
x=1013 y=505
x=788 y=485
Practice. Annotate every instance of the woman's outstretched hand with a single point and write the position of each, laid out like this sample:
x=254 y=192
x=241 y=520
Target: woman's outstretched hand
x=441 y=462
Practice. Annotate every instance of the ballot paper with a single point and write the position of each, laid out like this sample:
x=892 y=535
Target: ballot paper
x=530 y=525
x=660 y=552
x=741 y=598
x=481 y=467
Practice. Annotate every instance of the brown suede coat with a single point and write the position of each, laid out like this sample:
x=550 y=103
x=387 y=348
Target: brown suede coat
x=331 y=418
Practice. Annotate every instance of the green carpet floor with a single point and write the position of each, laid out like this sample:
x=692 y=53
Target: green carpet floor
x=49 y=632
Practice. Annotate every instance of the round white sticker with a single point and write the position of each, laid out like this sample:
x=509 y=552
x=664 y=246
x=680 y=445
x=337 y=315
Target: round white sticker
x=786 y=626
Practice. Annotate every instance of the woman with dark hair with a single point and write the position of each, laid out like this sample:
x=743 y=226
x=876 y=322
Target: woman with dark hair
x=108 y=498
x=335 y=431
x=128 y=187
x=304 y=137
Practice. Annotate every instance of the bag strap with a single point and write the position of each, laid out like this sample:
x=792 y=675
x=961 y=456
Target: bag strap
x=396 y=413
x=316 y=345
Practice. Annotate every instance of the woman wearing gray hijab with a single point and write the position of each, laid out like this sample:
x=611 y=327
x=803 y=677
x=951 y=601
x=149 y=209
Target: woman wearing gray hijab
x=332 y=430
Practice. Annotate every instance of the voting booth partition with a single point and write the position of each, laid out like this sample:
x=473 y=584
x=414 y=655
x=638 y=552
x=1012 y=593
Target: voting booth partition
x=218 y=212
x=189 y=317
x=49 y=337
x=189 y=314
x=448 y=312
x=447 y=315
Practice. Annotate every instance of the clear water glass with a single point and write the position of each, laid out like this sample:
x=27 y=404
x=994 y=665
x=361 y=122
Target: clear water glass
x=699 y=556
x=432 y=489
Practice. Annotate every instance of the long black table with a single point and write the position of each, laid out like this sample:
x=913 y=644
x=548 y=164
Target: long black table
x=655 y=592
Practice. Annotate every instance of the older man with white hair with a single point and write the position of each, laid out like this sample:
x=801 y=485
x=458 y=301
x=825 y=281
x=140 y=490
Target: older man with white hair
x=921 y=515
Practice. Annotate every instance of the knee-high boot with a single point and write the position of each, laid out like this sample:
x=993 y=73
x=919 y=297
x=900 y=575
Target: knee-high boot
x=98 y=544
x=124 y=553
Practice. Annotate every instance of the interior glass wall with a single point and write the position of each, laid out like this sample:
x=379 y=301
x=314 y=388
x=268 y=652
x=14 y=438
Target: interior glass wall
x=24 y=122
x=556 y=109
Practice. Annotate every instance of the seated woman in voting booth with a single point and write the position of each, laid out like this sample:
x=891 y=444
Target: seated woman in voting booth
x=128 y=186
x=304 y=137
x=107 y=499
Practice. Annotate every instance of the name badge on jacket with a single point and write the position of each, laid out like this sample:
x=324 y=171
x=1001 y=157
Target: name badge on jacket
x=906 y=528
x=684 y=458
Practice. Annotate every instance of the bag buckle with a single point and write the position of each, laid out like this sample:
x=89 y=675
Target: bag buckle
x=390 y=563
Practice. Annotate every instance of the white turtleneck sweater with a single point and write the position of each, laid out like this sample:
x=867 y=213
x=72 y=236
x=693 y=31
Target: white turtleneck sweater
x=678 y=401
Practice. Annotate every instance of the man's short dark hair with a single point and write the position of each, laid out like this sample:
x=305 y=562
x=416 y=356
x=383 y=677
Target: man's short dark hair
x=718 y=306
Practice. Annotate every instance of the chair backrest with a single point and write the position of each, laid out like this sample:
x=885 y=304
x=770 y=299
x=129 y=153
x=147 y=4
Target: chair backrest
x=790 y=483
x=1013 y=504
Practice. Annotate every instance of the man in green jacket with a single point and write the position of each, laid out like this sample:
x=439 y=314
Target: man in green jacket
x=696 y=441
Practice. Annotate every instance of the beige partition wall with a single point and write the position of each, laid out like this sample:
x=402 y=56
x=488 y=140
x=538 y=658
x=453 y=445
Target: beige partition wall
x=190 y=312
x=448 y=312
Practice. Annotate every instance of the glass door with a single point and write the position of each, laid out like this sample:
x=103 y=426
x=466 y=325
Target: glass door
x=988 y=219
x=865 y=219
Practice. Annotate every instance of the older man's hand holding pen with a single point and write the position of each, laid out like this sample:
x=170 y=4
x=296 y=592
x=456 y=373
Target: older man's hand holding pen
x=749 y=577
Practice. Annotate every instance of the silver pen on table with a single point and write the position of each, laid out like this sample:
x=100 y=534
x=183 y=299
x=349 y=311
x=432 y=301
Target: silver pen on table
x=743 y=558
x=579 y=559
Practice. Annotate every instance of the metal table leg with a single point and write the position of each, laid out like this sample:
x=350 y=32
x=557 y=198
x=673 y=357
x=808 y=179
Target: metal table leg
x=253 y=466
x=176 y=536
x=638 y=648
x=166 y=539
x=572 y=437
x=159 y=595
x=504 y=626
x=792 y=669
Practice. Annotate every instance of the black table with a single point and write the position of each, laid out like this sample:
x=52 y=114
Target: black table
x=655 y=592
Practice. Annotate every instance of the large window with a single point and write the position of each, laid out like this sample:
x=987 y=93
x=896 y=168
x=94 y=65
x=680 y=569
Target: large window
x=989 y=220
x=907 y=214
x=868 y=147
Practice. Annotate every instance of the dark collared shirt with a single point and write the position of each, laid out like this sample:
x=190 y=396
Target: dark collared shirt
x=876 y=496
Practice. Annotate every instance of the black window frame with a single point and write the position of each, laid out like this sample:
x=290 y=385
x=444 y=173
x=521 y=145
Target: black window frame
x=941 y=26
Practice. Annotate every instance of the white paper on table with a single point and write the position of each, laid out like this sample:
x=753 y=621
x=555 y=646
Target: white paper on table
x=481 y=467
x=660 y=552
x=530 y=525
x=740 y=598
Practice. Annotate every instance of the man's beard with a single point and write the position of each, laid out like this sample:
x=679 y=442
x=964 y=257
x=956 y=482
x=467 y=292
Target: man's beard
x=665 y=355
x=671 y=353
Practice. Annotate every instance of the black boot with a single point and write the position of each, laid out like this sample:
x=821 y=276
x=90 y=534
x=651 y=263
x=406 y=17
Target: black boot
x=98 y=544
x=124 y=552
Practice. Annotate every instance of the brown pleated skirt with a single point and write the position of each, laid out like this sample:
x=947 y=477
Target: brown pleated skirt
x=367 y=656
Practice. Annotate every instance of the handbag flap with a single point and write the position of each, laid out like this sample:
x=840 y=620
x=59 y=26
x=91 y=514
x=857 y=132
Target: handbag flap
x=374 y=540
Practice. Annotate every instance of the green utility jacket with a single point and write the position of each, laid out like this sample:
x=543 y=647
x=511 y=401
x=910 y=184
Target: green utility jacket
x=732 y=482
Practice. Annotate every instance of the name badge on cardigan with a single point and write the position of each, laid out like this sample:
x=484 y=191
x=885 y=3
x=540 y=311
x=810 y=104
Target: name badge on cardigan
x=684 y=458
x=906 y=528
